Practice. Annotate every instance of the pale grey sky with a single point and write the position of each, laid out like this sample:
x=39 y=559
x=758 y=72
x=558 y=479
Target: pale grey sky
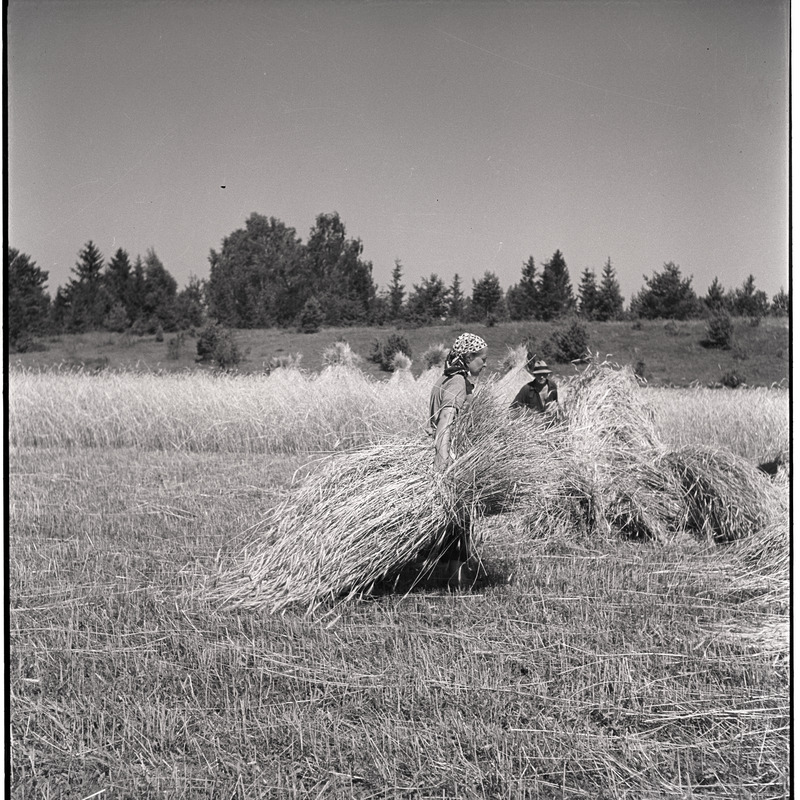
x=456 y=136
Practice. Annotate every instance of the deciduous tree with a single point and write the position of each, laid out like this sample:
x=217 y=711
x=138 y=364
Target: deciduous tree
x=340 y=278
x=428 y=300
x=259 y=276
x=487 y=296
x=666 y=295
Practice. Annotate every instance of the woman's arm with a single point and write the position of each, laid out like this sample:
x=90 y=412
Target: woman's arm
x=442 y=438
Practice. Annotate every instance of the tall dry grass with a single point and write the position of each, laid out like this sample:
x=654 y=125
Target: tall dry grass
x=286 y=412
x=292 y=412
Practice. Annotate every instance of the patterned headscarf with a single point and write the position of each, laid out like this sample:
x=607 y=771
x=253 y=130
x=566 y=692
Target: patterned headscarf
x=464 y=346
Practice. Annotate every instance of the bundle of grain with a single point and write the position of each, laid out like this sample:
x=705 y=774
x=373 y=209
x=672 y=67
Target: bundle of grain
x=352 y=522
x=637 y=498
x=367 y=514
x=614 y=446
x=607 y=413
x=725 y=497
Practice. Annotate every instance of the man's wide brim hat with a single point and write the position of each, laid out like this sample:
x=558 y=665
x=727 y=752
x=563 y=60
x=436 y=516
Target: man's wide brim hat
x=539 y=368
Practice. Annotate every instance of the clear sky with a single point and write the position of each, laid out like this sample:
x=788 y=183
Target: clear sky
x=458 y=137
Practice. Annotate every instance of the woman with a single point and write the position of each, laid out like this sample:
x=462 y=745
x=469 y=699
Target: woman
x=449 y=396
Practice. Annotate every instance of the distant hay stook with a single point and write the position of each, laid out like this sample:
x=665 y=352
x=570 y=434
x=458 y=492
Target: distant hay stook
x=366 y=514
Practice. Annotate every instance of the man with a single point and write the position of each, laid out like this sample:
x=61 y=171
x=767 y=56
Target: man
x=540 y=394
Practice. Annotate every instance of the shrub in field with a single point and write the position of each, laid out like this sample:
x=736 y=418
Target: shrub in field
x=568 y=344
x=218 y=345
x=25 y=343
x=383 y=351
x=719 y=331
x=311 y=316
x=117 y=318
x=435 y=356
x=732 y=380
x=227 y=354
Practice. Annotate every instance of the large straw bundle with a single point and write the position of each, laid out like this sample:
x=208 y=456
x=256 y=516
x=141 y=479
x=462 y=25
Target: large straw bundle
x=598 y=466
x=724 y=497
x=366 y=514
x=615 y=447
x=607 y=413
x=348 y=525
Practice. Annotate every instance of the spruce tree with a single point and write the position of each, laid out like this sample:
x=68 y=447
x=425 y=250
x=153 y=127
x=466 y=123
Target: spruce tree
x=117 y=279
x=456 y=298
x=397 y=292
x=587 y=294
x=160 y=292
x=555 y=296
x=487 y=297
x=523 y=298
x=609 y=302
x=86 y=296
x=27 y=303
x=666 y=295
x=715 y=299
x=428 y=301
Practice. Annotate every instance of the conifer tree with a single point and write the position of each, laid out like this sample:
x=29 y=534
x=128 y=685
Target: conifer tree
x=609 y=302
x=522 y=298
x=749 y=301
x=780 y=304
x=27 y=303
x=587 y=294
x=487 y=297
x=555 y=296
x=117 y=279
x=397 y=291
x=457 y=307
x=715 y=299
x=667 y=295
x=85 y=296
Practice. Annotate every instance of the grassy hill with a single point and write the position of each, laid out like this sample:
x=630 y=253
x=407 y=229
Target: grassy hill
x=670 y=352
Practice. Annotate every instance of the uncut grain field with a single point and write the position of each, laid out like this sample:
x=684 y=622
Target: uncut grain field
x=578 y=665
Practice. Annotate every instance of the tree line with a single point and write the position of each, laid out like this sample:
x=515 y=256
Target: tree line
x=265 y=276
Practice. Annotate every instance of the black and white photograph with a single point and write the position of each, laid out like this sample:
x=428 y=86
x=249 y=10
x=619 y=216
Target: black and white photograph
x=398 y=399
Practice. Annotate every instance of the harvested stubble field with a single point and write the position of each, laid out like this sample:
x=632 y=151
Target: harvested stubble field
x=579 y=666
